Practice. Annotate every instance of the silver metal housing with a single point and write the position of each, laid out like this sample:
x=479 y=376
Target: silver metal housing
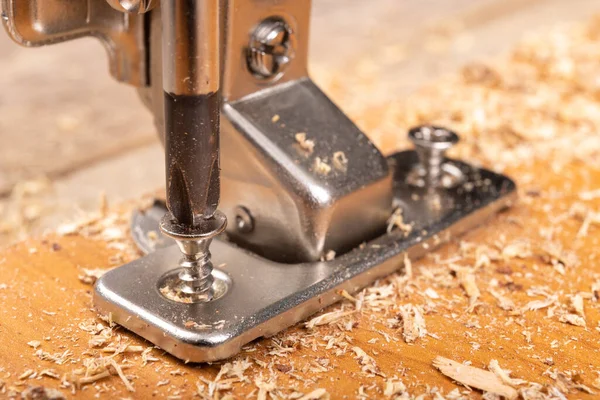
x=263 y=297
x=298 y=213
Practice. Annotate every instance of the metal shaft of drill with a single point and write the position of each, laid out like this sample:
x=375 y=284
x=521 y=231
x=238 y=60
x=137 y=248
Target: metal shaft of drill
x=191 y=83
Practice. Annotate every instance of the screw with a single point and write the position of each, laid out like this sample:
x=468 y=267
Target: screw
x=271 y=48
x=431 y=144
x=195 y=278
x=243 y=220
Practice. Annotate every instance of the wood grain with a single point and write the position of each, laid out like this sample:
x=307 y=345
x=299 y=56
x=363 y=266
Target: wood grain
x=47 y=282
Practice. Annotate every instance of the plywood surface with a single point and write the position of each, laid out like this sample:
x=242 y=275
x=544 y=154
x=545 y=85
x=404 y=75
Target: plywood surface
x=522 y=289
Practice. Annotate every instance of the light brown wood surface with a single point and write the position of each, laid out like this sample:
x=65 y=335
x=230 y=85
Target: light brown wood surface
x=533 y=115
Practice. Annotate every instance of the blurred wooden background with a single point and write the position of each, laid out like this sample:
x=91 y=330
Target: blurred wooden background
x=67 y=130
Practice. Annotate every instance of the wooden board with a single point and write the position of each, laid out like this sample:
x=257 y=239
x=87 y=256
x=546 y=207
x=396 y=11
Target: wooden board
x=510 y=291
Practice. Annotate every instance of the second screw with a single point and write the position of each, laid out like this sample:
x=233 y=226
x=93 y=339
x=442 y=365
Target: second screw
x=431 y=143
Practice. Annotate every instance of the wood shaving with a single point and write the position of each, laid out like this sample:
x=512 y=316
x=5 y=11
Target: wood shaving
x=340 y=161
x=328 y=318
x=366 y=361
x=321 y=167
x=90 y=276
x=466 y=277
x=413 y=323
x=540 y=304
x=58 y=358
x=328 y=256
x=503 y=302
x=568 y=382
x=394 y=387
x=504 y=375
x=125 y=348
x=264 y=389
x=573 y=319
x=577 y=305
x=50 y=373
x=396 y=220
x=308 y=145
x=588 y=217
x=100 y=368
x=26 y=374
x=518 y=249
x=147 y=357
x=34 y=343
x=474 y=377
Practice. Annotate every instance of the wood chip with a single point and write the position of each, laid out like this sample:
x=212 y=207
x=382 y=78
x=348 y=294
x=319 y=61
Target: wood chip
x=577 y=305
x=366 y=361
x=466 y=277
x=573 y=319
x=413 y=323
x=474 y=377
x=540 y=304
x=34 y=343
x=518 y=249
x=503 y=302
x=396 y=220
x=264 y=389
x=308 y=145
x=321 y=167
x=90 y=276
x=328 y=318
x=393 y=388
x=340 y=161
x=504 y=375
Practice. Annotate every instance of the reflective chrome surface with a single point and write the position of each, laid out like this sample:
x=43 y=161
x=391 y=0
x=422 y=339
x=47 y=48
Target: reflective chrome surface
x=42 y=22
x=271 y=48
x=266 y=297
x=300 y=211
x=297 y=213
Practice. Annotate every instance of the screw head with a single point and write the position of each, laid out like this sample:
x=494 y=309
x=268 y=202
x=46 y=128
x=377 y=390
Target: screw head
x=271 y=48
x=432 y=137
x=244 y=222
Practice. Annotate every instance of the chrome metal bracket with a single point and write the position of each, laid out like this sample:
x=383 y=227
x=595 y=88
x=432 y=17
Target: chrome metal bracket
x=258 y=297
x=41 y=22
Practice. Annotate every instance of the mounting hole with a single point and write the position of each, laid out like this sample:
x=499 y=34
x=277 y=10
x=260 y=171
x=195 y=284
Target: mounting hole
x=244 y=222
x=168 y=286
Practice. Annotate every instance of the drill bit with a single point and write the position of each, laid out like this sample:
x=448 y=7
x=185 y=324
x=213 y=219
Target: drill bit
x=191 y=83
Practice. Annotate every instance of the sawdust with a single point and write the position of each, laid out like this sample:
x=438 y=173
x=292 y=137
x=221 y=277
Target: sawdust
x=90 y=276
x=321 y=167
x=307 y=145
x=413 y=323
x=396 y=220
x=340 y=161
x=328 y=318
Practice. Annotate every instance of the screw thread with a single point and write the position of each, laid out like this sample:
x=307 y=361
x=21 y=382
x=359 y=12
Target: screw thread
x=196 y=278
